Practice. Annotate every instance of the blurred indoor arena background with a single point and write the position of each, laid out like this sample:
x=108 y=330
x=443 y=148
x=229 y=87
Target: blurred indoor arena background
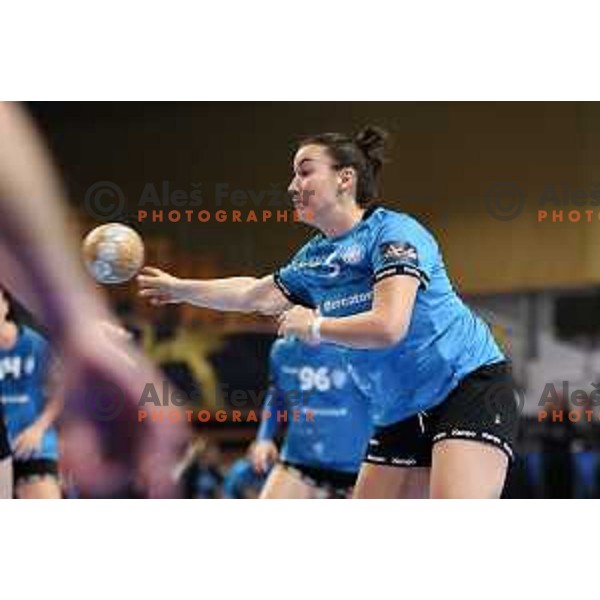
x=478 y=174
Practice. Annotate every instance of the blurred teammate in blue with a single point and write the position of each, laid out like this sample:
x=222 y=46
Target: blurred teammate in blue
x=199 y=471
x=28 y=412
x=242 y=482
x=325 y=443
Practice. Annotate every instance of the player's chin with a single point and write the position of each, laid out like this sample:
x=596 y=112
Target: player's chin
x=305 y=215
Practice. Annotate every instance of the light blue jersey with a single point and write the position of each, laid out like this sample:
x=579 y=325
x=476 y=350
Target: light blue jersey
x=316 y=381
x=23 y=374
x=445 y=342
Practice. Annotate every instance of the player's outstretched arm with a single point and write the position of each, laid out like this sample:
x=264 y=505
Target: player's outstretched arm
x=243 y=294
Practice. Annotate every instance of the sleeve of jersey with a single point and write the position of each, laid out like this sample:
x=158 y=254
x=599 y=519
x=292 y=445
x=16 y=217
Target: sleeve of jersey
x=404 y=248
x=290 y=284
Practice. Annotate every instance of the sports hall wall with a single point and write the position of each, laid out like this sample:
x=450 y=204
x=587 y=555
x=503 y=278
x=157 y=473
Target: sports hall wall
x=444 y=160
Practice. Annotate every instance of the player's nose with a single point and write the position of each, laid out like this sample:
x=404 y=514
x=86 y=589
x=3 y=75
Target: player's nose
x=293 y=188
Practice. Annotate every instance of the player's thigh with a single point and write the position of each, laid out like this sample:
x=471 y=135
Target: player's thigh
x=397 y=462
x=473 y=433
x=6 y=470
x=6 y=479
x=467 y=469
x=36 y=478
x=285 y=483
x=381 y=481
x=46 y=487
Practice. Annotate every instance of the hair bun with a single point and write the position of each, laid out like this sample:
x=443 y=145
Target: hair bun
x=371 y=140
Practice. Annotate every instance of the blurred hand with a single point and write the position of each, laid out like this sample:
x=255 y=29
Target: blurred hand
x=28 y=442
x=263 y=454
x=159 y=287
x=105 y=380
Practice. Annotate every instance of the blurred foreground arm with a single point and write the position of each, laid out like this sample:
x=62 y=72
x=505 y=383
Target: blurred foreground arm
x=40 y=265
x=35 y=231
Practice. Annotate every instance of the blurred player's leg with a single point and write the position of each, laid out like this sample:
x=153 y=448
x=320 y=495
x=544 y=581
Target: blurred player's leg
x=6 y=474
x=284 y=483
x=467 y=469
x=6 y=477
x=36 y=478
x=46 y=489
x=381 y=481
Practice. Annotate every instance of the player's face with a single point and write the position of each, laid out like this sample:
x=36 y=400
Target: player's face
x=315 y=185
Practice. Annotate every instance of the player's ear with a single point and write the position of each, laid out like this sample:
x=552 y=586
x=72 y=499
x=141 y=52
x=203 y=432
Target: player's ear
x=347 y=178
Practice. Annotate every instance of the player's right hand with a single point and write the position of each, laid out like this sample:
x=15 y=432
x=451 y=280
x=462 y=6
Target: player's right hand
x=28 y=442
x=263 y=454
x=159 y=287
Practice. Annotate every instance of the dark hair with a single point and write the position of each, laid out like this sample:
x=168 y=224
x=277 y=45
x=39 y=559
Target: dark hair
x=364 y=152
x=10 y=315
x=19 y=315
x=14 y=313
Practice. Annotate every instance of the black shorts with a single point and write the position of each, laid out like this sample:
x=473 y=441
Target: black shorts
x=337 y=484
x=25 y=471
x=483 y=408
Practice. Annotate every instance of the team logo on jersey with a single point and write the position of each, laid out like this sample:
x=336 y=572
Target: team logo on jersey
x=353 y=254
x=399 y=251
x=338 y=378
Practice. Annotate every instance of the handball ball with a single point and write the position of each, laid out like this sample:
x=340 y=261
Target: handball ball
x=113 y=253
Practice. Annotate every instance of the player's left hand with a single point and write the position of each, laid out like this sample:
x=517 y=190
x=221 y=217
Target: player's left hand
x=28 y=442
x=297 y=322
